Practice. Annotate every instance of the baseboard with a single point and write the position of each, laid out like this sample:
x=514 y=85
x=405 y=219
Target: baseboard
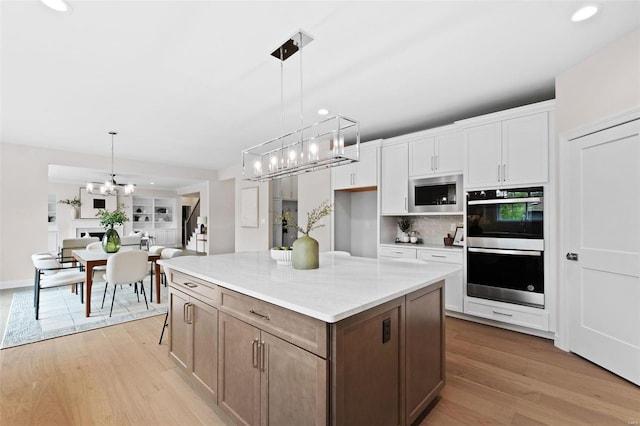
x=4 y=285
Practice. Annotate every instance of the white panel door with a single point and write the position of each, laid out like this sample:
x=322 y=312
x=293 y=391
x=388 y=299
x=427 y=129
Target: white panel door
x=603 y=230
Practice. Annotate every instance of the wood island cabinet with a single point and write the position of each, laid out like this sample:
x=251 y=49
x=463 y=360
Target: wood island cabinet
x=275 y=366
x=266 y=380
x=193 y=325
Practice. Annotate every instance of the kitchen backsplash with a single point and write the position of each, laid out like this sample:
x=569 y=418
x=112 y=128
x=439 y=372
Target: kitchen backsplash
x=433 y=229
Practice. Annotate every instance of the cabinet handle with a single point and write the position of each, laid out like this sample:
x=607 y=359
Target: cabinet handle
x=190 y=313
x=504 y=172
x=439 y=255
x=397 y=252
x=191 y=285
x=184 y=312
x=254 y=353
x=498 y=172
x=432 y=162
x=406 y=204
x=262 y=345
x=263 y=316
x=502 y=313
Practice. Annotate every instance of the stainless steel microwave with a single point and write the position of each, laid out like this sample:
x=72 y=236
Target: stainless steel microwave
x=437 y=194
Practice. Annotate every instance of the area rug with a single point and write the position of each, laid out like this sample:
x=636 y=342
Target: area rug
x=61 y=312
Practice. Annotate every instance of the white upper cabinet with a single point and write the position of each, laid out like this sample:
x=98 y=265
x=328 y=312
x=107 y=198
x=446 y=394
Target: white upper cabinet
x=394 y=179
x=511 y=151
x=361 y=174
x=440 y=154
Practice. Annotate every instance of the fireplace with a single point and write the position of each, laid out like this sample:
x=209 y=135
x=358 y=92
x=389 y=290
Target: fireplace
x=90 y=232
x=93 y=234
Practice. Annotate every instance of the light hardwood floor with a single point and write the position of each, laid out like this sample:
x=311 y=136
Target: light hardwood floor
x=120 y=376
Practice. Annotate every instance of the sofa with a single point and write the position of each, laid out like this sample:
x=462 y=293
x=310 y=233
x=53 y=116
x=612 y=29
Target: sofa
x=70 y=244
x=133 y=239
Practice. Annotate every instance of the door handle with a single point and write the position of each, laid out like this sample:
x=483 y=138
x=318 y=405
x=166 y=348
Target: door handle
x=572 y=256
x=262 y=351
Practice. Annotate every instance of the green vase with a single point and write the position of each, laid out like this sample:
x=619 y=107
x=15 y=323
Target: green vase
x=111 y=241
x=305 y=253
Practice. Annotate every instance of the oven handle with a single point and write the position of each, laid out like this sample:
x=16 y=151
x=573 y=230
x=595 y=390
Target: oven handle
x=505 y=201
x=511 y=252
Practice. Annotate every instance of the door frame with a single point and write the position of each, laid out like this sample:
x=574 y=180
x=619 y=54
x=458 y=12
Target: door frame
x=564 y=307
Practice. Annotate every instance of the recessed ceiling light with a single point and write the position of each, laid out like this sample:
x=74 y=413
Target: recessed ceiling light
x=323 y=111
x=58 y=5
x=152 y=183
x=584 y=13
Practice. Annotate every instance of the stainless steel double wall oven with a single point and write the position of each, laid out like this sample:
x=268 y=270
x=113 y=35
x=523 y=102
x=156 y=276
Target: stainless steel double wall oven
x=505 y=245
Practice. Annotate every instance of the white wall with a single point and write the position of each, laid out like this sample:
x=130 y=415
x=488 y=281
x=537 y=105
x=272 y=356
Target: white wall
x=24 y=193
x=252 y=238
x=602 y=85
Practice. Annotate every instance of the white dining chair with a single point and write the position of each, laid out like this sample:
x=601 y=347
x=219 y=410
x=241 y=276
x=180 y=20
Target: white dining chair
x=126 y=267
x=49 y=273
x=98 y=271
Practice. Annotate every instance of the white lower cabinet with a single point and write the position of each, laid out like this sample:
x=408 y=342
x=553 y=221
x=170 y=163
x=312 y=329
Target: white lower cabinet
x=454 y=285
x=508 y=313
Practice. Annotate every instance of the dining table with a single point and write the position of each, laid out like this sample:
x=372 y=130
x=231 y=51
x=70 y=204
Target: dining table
x=92 y=258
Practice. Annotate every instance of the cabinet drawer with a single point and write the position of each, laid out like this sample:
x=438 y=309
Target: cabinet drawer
x=531 y=317
x=301 y=330
x=398 y=252
x=198 y=288
x=440 y=256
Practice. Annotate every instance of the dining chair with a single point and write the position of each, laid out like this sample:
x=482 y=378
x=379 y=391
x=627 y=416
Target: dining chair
x=98 y=271
x=168 y=253
x=126 y=267
x=49 y=273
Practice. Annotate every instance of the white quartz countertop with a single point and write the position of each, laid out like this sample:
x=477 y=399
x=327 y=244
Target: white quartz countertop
x=341 y=287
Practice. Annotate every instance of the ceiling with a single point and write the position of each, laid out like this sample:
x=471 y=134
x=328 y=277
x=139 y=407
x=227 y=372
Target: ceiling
x=193 y=83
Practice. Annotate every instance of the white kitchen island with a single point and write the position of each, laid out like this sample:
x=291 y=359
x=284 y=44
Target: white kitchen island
x=357 y=341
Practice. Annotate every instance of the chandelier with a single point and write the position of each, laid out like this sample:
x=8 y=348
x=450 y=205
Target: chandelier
x=109 y=185
x=308 y=148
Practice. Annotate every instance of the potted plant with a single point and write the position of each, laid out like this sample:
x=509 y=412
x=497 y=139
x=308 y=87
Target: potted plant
x=305 y=249
x=75 y=203
x=111 y=239
x=404 y=223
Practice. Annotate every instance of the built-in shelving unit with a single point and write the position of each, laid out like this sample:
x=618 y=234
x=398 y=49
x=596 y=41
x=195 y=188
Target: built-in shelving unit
x=51 y=208
x=157 y=217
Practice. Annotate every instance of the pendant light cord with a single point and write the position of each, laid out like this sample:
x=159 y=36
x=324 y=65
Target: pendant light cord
x=301 y=105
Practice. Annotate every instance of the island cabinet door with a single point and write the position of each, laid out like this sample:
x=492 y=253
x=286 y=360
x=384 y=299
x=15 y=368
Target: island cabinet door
x=179 y=328
x=424 y=348
x=293 y=384
x=265 y=380
x=238 y=370
x=204 y=341
x=367 y=367
x=193 y=340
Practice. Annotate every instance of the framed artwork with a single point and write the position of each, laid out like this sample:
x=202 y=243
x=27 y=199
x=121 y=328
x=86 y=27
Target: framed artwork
x=249 y=207
x=458 y=238
x=91 y=203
